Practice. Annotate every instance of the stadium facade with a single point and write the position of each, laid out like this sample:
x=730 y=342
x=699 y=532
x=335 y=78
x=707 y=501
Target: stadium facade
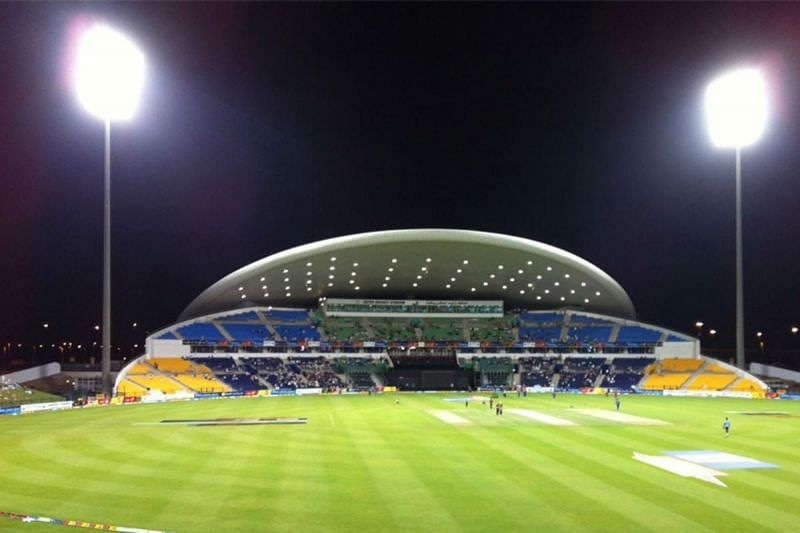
x=421 y=309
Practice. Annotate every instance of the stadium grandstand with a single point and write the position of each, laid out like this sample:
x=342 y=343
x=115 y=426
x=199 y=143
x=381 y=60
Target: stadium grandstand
x=424 y=309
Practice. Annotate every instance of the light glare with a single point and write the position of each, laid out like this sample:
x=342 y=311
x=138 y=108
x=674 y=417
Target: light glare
x=109 y=74
x=736 y=108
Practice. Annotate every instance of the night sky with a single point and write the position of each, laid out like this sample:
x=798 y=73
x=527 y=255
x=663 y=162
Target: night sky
x=266 y=126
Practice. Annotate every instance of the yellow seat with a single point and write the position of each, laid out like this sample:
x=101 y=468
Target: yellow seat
x=666 y=381
x=711 y=381
x=159 y=383
x=127 y=387
x=678 y=364
x=140 y=368
x=201 y=383
x=745 y=384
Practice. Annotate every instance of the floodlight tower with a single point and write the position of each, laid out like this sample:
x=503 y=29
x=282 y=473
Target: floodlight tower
x=736 y=110
x=109 y=77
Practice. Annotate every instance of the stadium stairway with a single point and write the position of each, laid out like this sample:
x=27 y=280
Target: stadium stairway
x=224 y=332
x=612 y=338
x=245 y=372
x=271 y=330
x=368 y=328
x=564 y=332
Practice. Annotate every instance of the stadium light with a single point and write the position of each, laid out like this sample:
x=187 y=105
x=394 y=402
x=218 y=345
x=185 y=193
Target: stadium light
x=736 y=108
x=109 y=78
x=109 y=74
x=736 y=112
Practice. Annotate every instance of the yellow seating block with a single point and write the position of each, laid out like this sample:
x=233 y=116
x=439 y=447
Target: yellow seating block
x=160 y=383
x=127 y=387
x=171 y=364
x=140 y=368
x=711 y=381
x=716 y=368
x=202 y=384
x=177 y=365
x=745 y=384
x=666 y=381
x=681 y=365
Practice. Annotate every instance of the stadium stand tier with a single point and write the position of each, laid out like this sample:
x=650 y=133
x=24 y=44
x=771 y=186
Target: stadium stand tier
x=421 y=309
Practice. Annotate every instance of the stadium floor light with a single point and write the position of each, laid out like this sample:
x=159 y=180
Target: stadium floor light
x=109 y=77
x=736 y=111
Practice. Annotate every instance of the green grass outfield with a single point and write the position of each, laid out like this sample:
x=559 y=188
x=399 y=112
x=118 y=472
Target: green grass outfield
x=364 y=463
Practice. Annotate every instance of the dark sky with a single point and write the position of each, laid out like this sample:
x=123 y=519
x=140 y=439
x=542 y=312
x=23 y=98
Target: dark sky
x=266 y=126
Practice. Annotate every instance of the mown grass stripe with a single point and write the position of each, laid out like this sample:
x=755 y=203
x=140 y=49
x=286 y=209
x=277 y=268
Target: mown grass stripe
x=690 y=498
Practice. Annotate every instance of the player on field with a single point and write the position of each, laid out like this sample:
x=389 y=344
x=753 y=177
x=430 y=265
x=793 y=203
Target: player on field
x=726 y=425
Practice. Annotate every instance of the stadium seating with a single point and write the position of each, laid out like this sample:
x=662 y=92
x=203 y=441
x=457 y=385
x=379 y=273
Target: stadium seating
x=343 y=329
x=218 y=364
x=716 y=368
x=128 y=388
x=638 y=334
x=621 y=380
x=201 y=331
x=140 y=368
x=578 y=372
x=549 y=335
x=441 y=330
x=674 y=338
x=159 y=383
x=293 y=332
x=585 y=320
x=554 y=319
x=247 y=315
x=625 y=372
x=680 y=364
x=241 y=382
x=711 y=381
x=630 y=364
x=258 y=348
x=287 y=315
x=393 y=329
x=575 y=364
x=589 y=334
x=315 y=372
x=537 y=371
x=174 y=364
x=666 y=381
x=247 y=332
x=497 y=330
x=207 y=383
x=744 y=385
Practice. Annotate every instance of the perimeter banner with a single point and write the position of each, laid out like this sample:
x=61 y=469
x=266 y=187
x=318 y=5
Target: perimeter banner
x=49 y=406
x=708 y=393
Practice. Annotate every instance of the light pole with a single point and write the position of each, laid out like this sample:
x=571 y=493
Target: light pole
x=109 y=76
x=736 y=110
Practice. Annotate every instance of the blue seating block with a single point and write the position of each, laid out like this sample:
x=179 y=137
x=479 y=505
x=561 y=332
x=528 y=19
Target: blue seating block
x=201 y=331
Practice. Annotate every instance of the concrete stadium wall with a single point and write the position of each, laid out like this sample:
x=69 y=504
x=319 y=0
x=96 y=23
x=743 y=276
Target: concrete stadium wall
x=30 y=374
x=774 y=372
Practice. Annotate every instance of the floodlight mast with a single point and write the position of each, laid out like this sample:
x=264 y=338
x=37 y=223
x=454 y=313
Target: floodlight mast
x=109 y=77
x=736 y=109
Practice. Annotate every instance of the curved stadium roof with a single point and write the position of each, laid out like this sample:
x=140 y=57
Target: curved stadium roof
x=420 y=264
